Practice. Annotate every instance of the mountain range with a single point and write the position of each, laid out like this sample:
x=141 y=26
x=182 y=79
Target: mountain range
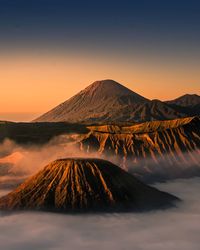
x=152 y=151
x=108 y=101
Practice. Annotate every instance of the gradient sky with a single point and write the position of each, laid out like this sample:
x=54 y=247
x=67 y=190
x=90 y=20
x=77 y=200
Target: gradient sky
x=51 y=49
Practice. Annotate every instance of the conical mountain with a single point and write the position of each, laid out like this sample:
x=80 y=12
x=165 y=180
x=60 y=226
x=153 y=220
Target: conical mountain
x=101 y=101
x=72 y=185
x=110 y=102
x=108 y=89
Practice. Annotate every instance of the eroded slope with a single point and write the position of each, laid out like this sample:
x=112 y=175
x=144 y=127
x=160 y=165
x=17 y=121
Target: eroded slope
x=85 y=185
x=167 y=148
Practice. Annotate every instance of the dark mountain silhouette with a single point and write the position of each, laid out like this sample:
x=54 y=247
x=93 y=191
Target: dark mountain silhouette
x=72 y=185
x=110 y=102
x=188 y=104
x=155 y=110
x=186 y=100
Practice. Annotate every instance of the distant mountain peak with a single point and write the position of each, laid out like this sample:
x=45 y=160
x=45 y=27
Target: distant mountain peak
x=107 y=101
x=101 y=101
x=191 y=95
x=109 y=88
x=107 y=83
x=186 y=100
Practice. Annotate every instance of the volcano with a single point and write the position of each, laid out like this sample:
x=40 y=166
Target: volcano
x=102 y=101
x=82 y=185
x=108 y=101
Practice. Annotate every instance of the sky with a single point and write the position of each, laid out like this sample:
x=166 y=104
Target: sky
x=52 y=49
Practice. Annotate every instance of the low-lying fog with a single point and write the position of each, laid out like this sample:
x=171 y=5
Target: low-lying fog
x=173 y=229
x=22 y=161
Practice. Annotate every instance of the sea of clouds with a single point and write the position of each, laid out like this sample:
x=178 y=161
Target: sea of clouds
x=175 y=229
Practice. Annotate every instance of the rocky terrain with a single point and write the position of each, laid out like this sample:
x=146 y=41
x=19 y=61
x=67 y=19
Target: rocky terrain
x=151 y=150
x=82 y=185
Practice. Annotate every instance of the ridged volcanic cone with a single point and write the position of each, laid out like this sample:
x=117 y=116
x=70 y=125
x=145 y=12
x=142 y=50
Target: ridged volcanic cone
x=81 y=185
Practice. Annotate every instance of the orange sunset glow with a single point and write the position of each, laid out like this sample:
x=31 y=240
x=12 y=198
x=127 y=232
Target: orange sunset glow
x=29 y=79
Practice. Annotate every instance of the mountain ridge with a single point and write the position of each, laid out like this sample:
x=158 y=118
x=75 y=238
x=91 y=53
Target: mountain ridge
x=185 y=100
x=153 y=151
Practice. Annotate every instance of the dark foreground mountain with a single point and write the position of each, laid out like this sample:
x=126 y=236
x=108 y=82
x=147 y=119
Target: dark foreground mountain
x=35 y=133
x=110 y=102
x=81 y=185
